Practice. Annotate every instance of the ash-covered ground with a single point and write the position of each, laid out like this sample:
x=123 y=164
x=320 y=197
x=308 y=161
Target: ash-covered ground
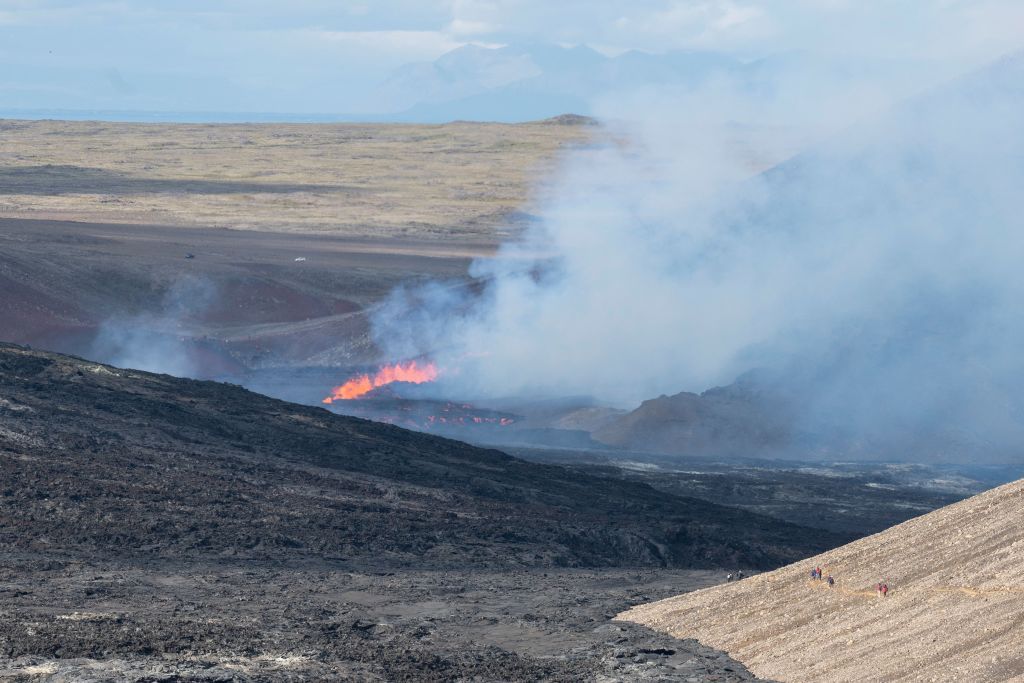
x=858 y=497
x=230 y=620
x=155 y=528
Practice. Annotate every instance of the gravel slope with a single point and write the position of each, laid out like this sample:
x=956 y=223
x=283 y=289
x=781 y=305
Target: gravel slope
x=954 y=612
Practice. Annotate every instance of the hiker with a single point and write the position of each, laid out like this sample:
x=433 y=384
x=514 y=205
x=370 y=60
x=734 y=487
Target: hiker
x=831 y=581
x=885 y=589
x=819 y=573
x=814 y=573
x=739 y=575
x=728 y=578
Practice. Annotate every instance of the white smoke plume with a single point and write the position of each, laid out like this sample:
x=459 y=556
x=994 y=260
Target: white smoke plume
x=874 y=279
x=157 y=341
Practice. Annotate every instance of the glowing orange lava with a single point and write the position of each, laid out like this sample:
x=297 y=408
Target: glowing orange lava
x=411 y=372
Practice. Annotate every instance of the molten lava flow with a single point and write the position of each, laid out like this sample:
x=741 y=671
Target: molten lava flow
x=410 y=372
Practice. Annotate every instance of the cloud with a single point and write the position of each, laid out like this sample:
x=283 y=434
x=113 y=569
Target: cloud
x=713 y=24
x=466 y=27
x=909 y=29
x=399 y=45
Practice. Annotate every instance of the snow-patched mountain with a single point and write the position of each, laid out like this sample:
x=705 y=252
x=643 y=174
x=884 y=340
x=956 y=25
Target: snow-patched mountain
x=532 y=81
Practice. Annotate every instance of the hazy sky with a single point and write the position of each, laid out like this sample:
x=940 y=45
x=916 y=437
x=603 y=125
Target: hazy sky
x=324 y=56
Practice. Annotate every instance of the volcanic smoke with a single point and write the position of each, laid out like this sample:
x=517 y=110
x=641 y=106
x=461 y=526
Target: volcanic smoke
x=363 y=384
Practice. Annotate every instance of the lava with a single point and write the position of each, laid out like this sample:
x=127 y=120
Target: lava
x=411 y=372
x=431 y=420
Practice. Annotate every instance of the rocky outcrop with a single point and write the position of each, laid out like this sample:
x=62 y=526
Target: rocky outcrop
x=730 y=420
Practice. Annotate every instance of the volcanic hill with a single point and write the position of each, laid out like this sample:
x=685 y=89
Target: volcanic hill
x=98 y=460
x=953 y=611
x=721 y=421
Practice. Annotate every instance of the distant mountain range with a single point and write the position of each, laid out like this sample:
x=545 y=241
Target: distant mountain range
x=538 y=81
x=518 y=83
x=526 y=82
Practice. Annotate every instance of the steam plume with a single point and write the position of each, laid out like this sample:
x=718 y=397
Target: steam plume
x=872 y=282
x=156 y=342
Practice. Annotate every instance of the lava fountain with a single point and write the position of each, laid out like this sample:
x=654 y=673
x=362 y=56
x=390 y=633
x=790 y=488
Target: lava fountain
x=411 y=372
